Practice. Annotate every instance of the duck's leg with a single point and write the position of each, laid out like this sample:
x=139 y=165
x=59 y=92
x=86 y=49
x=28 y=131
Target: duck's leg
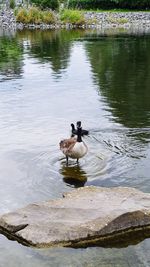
x=67 y=160
x=77 y=161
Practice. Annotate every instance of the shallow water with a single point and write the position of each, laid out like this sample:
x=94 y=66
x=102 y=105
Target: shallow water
x=48 y=80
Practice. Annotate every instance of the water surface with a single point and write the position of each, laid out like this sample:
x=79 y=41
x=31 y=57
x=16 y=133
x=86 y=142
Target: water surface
x=48 y=80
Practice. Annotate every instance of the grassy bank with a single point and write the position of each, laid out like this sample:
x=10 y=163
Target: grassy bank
x=72 y=16
x=37 y=16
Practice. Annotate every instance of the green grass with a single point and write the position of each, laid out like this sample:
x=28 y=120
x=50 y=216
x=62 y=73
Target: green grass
x=34 y=15
x=72 y=16
x=12 y=4
x=113 y=20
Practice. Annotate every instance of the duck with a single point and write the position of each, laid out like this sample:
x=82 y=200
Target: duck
x=74 y=130
x=74 y=147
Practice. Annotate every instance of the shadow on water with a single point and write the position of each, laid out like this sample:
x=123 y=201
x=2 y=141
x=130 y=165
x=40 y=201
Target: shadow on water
x=73 y=176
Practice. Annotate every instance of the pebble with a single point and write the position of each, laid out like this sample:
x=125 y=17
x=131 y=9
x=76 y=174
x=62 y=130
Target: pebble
x=7 y=19
x=104 y=20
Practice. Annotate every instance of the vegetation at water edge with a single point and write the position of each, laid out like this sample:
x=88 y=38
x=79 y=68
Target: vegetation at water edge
x=35 y=15
x=72 y=16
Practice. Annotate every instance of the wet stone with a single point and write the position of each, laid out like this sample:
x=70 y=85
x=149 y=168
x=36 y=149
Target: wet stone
x=88 y=216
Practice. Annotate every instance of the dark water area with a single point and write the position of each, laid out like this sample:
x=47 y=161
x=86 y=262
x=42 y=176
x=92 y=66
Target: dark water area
x=49 y=79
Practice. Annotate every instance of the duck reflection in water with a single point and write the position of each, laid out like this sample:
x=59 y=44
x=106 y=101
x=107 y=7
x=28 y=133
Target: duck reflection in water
x=73 y=176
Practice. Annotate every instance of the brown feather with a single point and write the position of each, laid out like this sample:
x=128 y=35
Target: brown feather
x=66 y=145
x=74 y=147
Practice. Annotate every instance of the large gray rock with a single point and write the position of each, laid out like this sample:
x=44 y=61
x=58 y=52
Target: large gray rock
x=86 y=216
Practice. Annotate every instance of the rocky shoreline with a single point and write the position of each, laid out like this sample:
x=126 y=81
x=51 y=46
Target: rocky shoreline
x=94 y=20
x=7 y=19
x=88 y=216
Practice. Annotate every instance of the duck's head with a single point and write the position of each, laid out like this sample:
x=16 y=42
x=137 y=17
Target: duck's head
x=78 y=124
x=72 y=126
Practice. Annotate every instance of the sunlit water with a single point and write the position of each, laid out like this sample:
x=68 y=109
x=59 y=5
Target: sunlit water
x=49 y=80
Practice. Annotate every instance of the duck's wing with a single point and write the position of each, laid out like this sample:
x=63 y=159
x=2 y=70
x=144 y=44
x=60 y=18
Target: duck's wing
x=84 y=132
x=66 y=145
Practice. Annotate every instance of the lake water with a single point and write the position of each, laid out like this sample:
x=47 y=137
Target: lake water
x=48 y=80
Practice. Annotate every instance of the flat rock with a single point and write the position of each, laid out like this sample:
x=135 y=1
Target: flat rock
x=87 y=216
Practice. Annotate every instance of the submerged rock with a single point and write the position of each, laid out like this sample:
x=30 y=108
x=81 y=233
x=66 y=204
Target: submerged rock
x=87 y=216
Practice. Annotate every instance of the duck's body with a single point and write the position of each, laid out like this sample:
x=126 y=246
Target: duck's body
x=78 y=150
x=74 y=147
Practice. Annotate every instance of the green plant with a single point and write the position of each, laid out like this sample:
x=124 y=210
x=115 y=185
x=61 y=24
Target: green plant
x=21 y=15
x=35 y=15
x=109 y=4
x=72 y=16
x=48 y=17
x=12 y=4
x=114 y=20
x=123 y=20
x=53 y=4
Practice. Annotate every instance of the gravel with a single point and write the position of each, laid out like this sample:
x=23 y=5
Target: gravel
x=103 y=20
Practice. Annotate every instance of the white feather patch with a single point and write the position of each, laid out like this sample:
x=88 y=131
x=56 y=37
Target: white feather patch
x=78 y=151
